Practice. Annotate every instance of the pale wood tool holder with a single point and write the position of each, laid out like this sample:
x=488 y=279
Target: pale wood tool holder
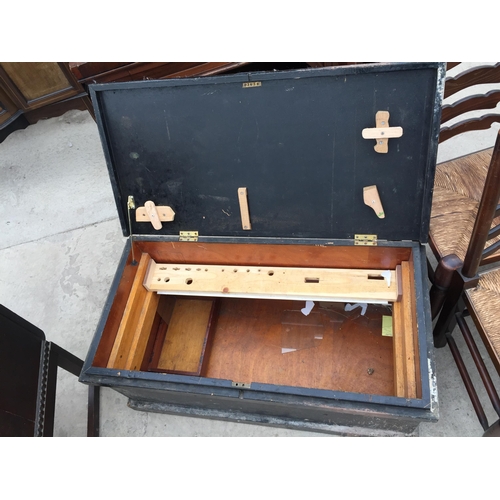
x=338 y=285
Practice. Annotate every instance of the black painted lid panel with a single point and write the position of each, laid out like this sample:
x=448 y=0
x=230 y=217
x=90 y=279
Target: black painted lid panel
x=294 y=142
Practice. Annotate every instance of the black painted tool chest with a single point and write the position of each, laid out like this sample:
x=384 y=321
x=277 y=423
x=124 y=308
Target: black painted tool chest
x=275 y=268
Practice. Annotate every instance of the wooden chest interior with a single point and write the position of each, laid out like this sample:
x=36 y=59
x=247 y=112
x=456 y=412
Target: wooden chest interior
x=263 y=340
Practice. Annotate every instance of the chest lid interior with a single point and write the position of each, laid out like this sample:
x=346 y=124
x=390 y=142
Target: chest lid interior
x=293 y=139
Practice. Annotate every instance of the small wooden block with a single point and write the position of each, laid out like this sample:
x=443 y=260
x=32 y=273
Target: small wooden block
x=153 y=214
x=372 y=199
x=382 y=132
x=245 y=214
x=160 y=214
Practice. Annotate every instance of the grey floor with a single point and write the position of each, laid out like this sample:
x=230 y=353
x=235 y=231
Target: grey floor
x=60 y=242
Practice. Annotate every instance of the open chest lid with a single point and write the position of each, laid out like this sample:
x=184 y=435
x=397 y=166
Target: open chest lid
x=293 y=139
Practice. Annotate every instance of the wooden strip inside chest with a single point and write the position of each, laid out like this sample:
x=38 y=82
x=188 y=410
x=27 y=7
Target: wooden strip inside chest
x=369 y=348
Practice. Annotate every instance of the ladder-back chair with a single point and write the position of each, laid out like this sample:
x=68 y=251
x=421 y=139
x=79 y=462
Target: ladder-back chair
x=465 y=237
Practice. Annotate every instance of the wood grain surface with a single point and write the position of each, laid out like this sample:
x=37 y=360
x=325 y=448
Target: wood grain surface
x=186 y=337
x=296 y=283
x=353 y=355
x=136 y=322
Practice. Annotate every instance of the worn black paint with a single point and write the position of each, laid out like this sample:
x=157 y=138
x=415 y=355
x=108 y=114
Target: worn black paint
x=295 y=143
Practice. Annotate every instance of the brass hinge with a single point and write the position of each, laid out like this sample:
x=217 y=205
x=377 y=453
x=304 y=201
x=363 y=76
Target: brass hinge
x=247 y=85
x=188 y=236
x=368 y=240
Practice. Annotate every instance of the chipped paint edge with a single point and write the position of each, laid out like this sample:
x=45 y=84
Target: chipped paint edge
x=433 y=387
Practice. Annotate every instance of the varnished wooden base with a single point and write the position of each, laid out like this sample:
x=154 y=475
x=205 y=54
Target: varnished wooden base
x=351 y=355
x=183 y=336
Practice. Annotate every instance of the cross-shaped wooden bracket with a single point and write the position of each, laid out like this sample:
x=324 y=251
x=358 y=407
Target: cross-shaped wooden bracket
x=154 y=214
x=382 y=132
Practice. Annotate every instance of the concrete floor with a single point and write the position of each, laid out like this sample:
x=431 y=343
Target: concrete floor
x=59 y=247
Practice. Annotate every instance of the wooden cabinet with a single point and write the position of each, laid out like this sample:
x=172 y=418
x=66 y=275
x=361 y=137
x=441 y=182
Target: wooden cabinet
x=37 y=84
x=30 y=91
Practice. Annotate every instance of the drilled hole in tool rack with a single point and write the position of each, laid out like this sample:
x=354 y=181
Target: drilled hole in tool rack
x=311 y=280
x=166 y=280
x=189 y=281
x=271 y=273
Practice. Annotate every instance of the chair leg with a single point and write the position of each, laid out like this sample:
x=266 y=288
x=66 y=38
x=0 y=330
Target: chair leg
x=47 y=393
x=469 y=386
x=446 y=320
x=478 y=361
x=430 y=271
x=55 y=357
x=493 y=431
x=93 y=411
x=441 y=281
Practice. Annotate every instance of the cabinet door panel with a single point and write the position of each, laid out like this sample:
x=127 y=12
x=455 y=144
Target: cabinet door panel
x=39 y=83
